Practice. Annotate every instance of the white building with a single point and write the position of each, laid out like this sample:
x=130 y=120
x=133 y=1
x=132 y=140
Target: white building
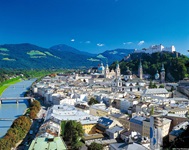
x=58 y=113
x=156 y=48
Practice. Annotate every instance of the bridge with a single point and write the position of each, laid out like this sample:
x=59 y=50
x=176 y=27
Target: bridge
x=6 y=119
x=15 y=99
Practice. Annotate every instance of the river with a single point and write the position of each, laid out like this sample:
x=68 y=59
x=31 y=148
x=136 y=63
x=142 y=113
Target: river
x=10 y=109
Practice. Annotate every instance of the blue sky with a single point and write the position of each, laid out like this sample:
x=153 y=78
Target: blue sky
x=96 y=25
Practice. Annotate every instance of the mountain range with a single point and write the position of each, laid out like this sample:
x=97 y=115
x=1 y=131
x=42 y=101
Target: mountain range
x=29 y=56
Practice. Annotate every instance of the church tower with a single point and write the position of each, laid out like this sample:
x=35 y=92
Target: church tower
x=117 y=70
x=107 y=71
x=162 y=74
x=140 y=71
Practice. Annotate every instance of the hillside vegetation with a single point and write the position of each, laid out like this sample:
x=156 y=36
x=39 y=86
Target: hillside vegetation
x=175 y=67
x=4 y=85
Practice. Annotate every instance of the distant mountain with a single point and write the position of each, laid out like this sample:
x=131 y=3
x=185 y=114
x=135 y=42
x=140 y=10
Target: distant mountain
x=110 y=56
x=176 y=65
x=69 y=49
x=29 y=56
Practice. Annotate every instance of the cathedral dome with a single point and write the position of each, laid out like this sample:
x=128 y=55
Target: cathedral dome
x=101 y=68
x=128 y=72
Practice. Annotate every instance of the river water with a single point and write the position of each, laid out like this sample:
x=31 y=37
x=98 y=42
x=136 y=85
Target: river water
x=10 y=109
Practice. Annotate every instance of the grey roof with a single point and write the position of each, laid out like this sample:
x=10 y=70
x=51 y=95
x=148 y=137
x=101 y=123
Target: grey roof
x=115 y=129
x=156 y=91
x=132 y=146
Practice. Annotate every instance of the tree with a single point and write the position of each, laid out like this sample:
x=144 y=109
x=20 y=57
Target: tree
x=76 y=145
x=92 y=101
x=63 y=124
x=152 y=110
x=150 y=85
x=154 y=86
x=33 y=114
x=95 y=146
x=161 y=86
x=17 y=132
x=73 y=131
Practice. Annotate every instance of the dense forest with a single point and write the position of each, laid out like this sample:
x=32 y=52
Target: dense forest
x=175 y=64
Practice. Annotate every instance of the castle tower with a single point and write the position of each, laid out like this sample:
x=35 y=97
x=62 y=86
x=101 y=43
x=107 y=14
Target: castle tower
x=107 y=71
x=140 y=71
x=117 y=70
x=162 y=74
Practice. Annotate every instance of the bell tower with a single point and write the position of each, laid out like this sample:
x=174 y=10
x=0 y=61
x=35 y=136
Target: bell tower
x=162 y=74
x=117 y=70
x=107 y=71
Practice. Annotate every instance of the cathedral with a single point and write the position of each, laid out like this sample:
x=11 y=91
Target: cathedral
x=111 y=74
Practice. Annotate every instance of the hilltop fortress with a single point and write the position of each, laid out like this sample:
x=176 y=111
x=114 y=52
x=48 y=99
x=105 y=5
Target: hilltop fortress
x=156 y=48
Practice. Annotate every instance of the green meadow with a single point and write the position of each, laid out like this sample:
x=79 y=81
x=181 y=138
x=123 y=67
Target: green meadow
x=4 y=85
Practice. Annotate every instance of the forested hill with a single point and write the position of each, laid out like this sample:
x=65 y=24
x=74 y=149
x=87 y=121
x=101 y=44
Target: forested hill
x=175 y=67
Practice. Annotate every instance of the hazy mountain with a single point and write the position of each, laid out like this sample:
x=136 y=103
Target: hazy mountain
x=114 y=55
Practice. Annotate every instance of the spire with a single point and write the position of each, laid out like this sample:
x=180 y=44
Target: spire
x=117 y=65
x=162 y=68
x=107 y=65
x=117 y=70
x=140 y=64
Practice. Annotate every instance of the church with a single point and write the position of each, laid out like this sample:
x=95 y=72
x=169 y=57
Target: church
x=129 y=82
x=105 y=72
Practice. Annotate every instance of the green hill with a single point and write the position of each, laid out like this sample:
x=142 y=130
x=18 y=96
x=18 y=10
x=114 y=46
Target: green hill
x=175 y=67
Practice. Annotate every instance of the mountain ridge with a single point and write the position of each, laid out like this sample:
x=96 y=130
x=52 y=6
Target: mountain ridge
x=30 y=56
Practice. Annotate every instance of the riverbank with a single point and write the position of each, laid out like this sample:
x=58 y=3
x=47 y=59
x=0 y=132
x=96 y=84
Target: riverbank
x=4 y=85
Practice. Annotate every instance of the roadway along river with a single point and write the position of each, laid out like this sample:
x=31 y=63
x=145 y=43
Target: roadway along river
x=10 y=109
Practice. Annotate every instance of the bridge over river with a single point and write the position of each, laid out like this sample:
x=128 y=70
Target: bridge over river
x=6 y=119
x=16 y=99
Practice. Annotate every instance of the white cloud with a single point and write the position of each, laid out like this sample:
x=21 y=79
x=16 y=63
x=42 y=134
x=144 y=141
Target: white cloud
x=72 y=40
x=127 y=43
x=100 y=44
x=88 y=42
x=140 y=43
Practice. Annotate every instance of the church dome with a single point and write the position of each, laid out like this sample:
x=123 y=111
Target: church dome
x=128 y=72
x=101 y=67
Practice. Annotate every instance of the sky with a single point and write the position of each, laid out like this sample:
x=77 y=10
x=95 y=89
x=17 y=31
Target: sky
x=96 y=25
